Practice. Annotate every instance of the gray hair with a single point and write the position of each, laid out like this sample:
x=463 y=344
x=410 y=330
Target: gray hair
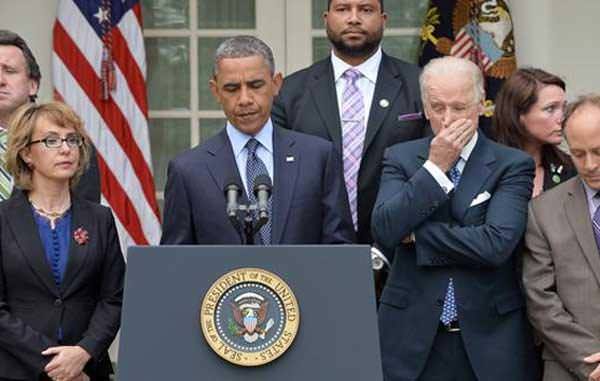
x=241 y=47
x=452 y=66
x=583 y=100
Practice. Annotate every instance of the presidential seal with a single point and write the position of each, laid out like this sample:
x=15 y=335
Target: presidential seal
x=249 y=317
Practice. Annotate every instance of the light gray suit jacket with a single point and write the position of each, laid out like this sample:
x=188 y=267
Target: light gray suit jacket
x=561 y=275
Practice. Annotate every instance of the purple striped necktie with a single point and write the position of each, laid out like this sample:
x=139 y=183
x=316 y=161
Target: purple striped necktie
x=596 y=223
x=353 y=136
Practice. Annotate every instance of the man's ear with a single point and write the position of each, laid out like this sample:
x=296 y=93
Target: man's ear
x=34 y=87
x=214 y=89
x=277 y=82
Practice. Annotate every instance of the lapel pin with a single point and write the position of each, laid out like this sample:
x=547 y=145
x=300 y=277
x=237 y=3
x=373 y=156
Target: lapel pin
x=384 y=103
x=289 y=159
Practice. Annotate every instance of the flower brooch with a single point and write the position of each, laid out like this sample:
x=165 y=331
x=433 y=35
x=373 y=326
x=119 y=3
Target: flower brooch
x=81 y=236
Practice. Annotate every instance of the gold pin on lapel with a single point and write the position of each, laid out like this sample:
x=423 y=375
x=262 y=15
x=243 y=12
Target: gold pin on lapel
x=384 y=103
x=289 y=159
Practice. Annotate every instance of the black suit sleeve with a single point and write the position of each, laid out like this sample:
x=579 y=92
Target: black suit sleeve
x=337 y=221
x=106 y=319
x=403 y=202
x=491 y=243
x=178 y=228
x=21 y=340
x=278 y=111
x=89 y=184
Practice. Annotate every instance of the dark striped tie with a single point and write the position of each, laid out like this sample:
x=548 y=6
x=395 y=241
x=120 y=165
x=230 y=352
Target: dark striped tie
x=254 y=168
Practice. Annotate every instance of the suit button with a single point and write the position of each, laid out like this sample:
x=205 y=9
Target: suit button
x=58 y=302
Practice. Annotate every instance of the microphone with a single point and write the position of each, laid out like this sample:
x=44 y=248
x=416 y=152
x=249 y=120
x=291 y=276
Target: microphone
x=262 y=192
x=232 y=192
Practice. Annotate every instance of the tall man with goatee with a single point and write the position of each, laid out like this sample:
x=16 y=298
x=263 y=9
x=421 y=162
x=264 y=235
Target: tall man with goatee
x=359 y=98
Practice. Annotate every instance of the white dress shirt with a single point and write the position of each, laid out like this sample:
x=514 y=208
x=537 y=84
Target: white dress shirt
x=592 y=201
x=365 y=84
x=264 y=151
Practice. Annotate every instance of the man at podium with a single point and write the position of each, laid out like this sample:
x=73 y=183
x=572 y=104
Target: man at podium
x=218 y=191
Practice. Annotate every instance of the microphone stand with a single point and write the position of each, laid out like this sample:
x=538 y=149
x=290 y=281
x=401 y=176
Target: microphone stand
x=248 y=226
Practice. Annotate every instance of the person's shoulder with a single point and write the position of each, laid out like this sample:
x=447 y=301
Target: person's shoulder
x=508 y=154
x=308 y=142
x=94 y=208
x=552 y=199
x=195 y=155
x=409 y=69
x=409 y=148
x=299 y=77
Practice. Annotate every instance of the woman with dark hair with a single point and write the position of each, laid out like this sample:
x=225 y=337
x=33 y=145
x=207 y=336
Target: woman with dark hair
x=529 y=112
x=61 y=267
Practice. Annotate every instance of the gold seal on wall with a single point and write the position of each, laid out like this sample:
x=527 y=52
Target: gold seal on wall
x=249 y=317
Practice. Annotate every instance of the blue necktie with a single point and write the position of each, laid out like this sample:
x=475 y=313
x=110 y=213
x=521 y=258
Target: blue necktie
x=449 y=313
x=254 y=168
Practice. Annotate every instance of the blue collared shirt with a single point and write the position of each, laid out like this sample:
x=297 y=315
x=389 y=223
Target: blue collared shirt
x=56 y=243
x=264 y=151
x=592 y=201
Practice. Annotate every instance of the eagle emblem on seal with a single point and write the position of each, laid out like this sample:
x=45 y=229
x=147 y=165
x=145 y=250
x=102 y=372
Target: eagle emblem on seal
x=250 y=312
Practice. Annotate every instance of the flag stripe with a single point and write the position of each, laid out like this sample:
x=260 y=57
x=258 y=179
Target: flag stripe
x=111 y=114
x=123 y=208
x=122 y=93
x=132 y=36
x=105 y=142
x=118 y=123
x=132 y=74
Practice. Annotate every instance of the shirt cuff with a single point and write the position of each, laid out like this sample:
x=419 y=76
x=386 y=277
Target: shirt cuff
x=439 y=176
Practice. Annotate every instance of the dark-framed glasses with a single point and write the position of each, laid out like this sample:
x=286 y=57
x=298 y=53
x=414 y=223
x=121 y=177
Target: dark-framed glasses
x=55 y=141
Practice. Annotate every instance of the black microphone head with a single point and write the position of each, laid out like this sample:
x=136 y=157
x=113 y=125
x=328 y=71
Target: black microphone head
x=232 y=184
x=262 y=182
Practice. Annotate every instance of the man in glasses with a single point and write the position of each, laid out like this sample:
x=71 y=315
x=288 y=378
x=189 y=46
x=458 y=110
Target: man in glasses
x=19 y=84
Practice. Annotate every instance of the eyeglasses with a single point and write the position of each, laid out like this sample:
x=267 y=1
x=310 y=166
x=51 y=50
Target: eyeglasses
x=54 y=141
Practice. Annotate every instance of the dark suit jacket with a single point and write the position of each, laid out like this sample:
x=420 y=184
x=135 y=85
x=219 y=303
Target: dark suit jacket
x=89 y=184
x=561 y=274
x=308 y=103
x=552 y=176
x=472 y=244
x=310 y=205
x=88 y=305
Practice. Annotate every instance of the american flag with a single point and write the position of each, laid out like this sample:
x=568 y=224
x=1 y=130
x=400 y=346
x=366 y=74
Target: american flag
x=99 y=69
x=466 y=47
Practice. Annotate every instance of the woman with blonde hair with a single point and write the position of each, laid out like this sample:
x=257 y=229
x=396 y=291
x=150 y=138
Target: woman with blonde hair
x=61 y=266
